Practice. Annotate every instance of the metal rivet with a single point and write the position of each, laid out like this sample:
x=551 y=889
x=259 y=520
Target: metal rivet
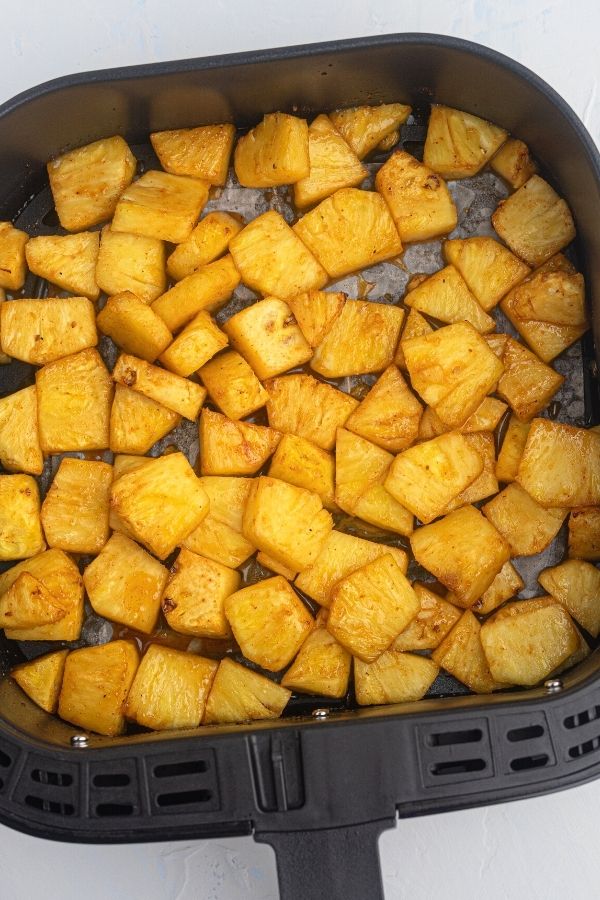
x=553 y=685
x=320 y=713
x=79 y=740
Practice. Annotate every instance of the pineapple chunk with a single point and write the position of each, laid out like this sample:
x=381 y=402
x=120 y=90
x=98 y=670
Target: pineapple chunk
x=560 y=465
x=27 y=604
x=269 y=622
x=341 y=555
x=362 y=339
x=489 y=269
x=178 y=394
x=389 y=415
x=137 y=423
x=378 y=507
x=193 y=601
x=431 y=425
x=161 y=502
x=75 y=511
x=134 y=327
x=526 y=640
x=286 y=522
x=219 y=536
x=123 y=463
x=452 y=369
x=419 y=200
x=209 y=287
x=315 y=312
x=267 y=562
x=238 y=694
x=333 y=165
x=161 y=206
x=527 y=383
x=463 y=550
x=274 y=152
x=427 y=477
x=395 y=677
x=576 y=584
x=461 y=654
x=232 y=385
x=432 y=623
x=41 y=331
x=505 y=585
x=534 y=221
x=194 y=346
x=582 y=652
x=497 y=343
x=486 y=483
x=20 y=449
x=386 y=144
x=299 y=404
x=68 y=261
x=514 y=163
x=302 y=463
x=20 y=528
x=459 y=144
x=208 y=241
x=322 y=667
x=348 y=231
x=74 y=396
x=512 y=450
x=131 y=262
x=527 y=526
x=13 y=268
x=445 y=296
x=486 y=417
x=229 y=447
x=125 y=584
x=41 y=678
x=415 y=325
x=198 y=152
x=268 y=337
x=364 y=127
x=584 y=534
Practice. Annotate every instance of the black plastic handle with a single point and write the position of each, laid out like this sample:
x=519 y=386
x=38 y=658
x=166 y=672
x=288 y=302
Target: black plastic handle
x=335 y=863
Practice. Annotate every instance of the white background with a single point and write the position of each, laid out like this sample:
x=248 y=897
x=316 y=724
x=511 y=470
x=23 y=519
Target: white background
x=539 y=849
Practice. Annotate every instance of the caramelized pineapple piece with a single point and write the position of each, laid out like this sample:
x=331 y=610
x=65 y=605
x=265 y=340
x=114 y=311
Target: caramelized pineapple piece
x=178 y=394
x=486 y=483
x=315 y=312
x=238 y=694
x=161 y=206
x=219 y=536
x=322 y=667
x=364 y=127
x=75 y=511
x=432 y=623
x=131 y=262
x=68 y=261
x=274 y=152
x=395 y=677
x=415 y=325
x=193 y=601
x=511 y=450
x=267 y=562
x=28 y=604
x=445 y=296
x=489 y=269
x=505 y=585
x=299 y=404
x=302 y=463
x=527 y=526
x=527 y=383
x=134 y=327
x=41 y=331
x=41 y=678
x=194 y=346
x=232 y=385
x=20 y=449
x=486 y=417
x=137 y=423
x=13 y=267
x=268 y=337
x=461 y=654
x=459 y=144
x=584 y=533
x=389 y=415
x=350 y=347
x=209 y=287
x=198 y=152
x=560 y=465
x=208 y=241
x=229 y=447
x=576 y=584
x=20 y=528
x=388 y=142
x=333 y=165
x=514 y=163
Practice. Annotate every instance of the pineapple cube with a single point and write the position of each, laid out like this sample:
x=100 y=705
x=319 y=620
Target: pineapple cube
x=534 y=221
x=514 y=163
x=333 y=165
x=463 y=550
x=178 y=394
x=229 y=447
x=274 y=152
x=137 y=423
x=584 y=533
x=388 y=142
x=432 y=623
x=267 y=562
x=364 y=127
x=511 y=450
x=27 y=604
x=526 y=640
x=461 y=654
x=125 y=584
x=576 y=584
x=299 y=404
x=75 y=512
x=13 y=267
x=161 y=206
x=378 y=507
x=198 y=152
x=232 y=385
x=193 y=601
x=286 y=522
x=68 y=261
x=396 y=677
x=389 y=415
x=20 y=527
x=20 y=449
x=486 y=417
x=161 y=502
x=41 y=331
x=268 y=337
x=41 y=678
x=489 y=269
x=486 y=483
x=527 y=526
x=208 y=241
x=419 y=200
x=123 y=463
x=219 y=536
x=209 y=287
x=459 y=144
x=582 y=652
x=269 y=622
x=431 y=425
x=238 y=694
x=315 y=312
x=527 y=384
x=86 y=183
x=560 y=465
x=74 y=396
x=505 y=585
x=415 y=325
x=194 y=346
x=497 y=343
x=322 y=667
x=131 y=262
x=134 y=327
x=445 y=296
x=362 y=339
x=302 y=463
x=349 y=230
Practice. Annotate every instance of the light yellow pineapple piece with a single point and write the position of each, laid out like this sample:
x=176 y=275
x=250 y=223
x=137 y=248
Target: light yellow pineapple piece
x=219 y=536
x=315 y=312
x=201 y=152
x=505 y=585
x=194 y=346
x=485 y=418
x=123 y=463
x=584 y=533
x=497 y=343
x=432 y=623
x=514 y=163
x=396 y=677
x=576 y=584
x=302 y=463
x=137 y=423
x=209 y=287
x=527 y=526
x=415 y=325
x=560 y=465
x=268 y=337
x=299 y=404
x=238 y=694
x=378 y=507
x=41 y=331
x=193 y=601
x=20 y=528
x=486 y=483
x=230 y=447
x=527 y=384
x=75 y=511
x=388 y=142
x=364 y=127
x=459 y=144
x=232 y=385
x=131 y=262
x=274 y=152
x=13 y=267
x=461 y=654
x=322 y=667
x=488 y=268
x=134 y=327
x=445 y=296
x=208 y=241
x=389 y=415
x=68 y=261
x=20 y=449
x=28 y=604
x=161 y=206
x=178 y=394
x=431 y=425
x=511 y=450
x=349 y=348
x=267 y=562
x=333 y=164
x=582 y=652
x=41 y=678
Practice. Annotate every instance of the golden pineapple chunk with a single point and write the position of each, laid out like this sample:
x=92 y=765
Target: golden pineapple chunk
x=268 y=337
x=582 y=652
x=75 y=511
x=299 y=404
x=431 y=425
x=134 y=327
x=161 y=206
x=68 y=261
x=20 y=449
x=274 y=152
x=230 y=447
x=13 y=268
x=432 y=623
x=20 y=528
x=267 y=562
x=534 y=221
x=364 y=127
x=486 y=483
x=463 y=550
x=302 y=463
x=322 y=667
x=389 y=415
x=511 y=450
x=333 y=165
x=232 y=385
x=209 y=287
x=419 y=200
x=396 y=677
x=526 y=640
x=123 y=463
x=209 y=240
x=161 y=502
x=193 y=601
x=125 y=584
x=445 y=296
x=389 y=141
x=560 y=465
x=194 y=346
x=461 y=654
x=584 y=533
x=41 y=678
x=486 y=417
x=362 y=339
x=505 y=585
x=238 y=695
x=527 y=384
x=131 y=262
x=137 y=423
x=201 y=152
x=497 y=343
x=459 y=144
x=576 y=584
x=41 y=331
x=28 y=604
x=415 y=325
x=489 y=269
x=514 y=163
x=219 y=536
x=378 y=507
x=527 y=526
x=349 y=230
x=178 y=394
x=315 y=312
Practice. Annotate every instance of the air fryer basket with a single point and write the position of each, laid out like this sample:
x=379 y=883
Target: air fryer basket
x=320 y=786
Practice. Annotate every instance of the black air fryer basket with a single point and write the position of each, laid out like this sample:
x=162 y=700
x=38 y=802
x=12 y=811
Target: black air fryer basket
x=319 y=786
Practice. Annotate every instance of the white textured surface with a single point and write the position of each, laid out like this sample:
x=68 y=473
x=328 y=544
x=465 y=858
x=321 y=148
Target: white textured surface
x=543 y=849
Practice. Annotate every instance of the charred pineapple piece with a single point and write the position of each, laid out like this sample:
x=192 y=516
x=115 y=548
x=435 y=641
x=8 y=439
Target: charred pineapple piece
x=41 y=331
x=445 y=296
x=20 y=528
x=68 y=261
x=178 y=394
x=584 y=533
x=161 y=206
x=229 y=447
x=137 y=423
x=514 y=163
x=489 y=269
x=193 y=602
x=459 y=144
x=432 y=623
x=232 y=385
x=527 y=526
x=415 y=325
x=486 y=483
x=527 y=384
x=267 y=562
x=28 y=604
x=194 y=346
x=315 y=312
x=13 y=266
x=219 y=536
x=576 y=584
x=350 y=347
x=274 y=152
x=131 y=262
x=505 y=585
x=198 y=152
x=560 y=465
x=209 y=240
x=322 y=667
x=302 y=463
x=41 y=678
x=209 y=287
x=461 y=654
x=268 y=337
x=364 y=127
x=333 y=165
x=395 y=677
x=389 y=415
x=238 y=695
x=20 y=449
x=486 y=417
x=134 y=327
x=511 y=450
x=75 y=511
x=299 y=404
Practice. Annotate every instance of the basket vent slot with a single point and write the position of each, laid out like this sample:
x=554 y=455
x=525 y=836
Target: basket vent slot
x=189 y=767
x=580 y=750
x=57 y=779
x=458 y=767
x=114 y=809
x=523 y=763
x=51 y=806
x=182 y=798
x=583 y=718
x=448 y=738
x=111 y=779
x=528 y=733
x=184 y=784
